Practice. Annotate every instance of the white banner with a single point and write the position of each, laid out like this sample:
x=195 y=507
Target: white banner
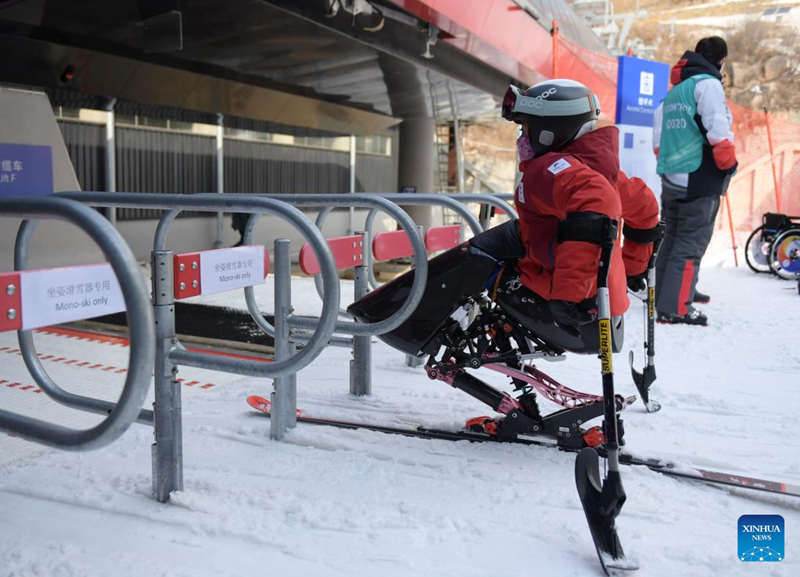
x=231 y=268
x=59 y=295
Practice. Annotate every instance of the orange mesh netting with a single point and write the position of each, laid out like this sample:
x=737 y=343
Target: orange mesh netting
x=752 y=190
x=597 y=71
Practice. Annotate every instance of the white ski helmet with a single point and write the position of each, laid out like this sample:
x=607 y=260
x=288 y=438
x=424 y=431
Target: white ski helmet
x=556 y=112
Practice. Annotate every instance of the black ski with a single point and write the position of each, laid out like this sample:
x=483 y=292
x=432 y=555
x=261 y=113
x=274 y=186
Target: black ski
x=662 y=466
x=602 y=499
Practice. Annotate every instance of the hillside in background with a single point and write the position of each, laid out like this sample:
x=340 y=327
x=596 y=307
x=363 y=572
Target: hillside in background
x=763 y=67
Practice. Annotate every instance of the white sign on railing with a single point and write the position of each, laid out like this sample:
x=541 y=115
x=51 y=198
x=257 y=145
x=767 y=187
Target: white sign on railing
x=231 y=268
x=59 y=295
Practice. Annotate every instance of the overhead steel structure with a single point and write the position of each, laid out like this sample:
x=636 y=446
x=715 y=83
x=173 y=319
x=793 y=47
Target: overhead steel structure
x=306 y=66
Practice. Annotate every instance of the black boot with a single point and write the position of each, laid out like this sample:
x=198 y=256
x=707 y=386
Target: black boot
x=693 y=317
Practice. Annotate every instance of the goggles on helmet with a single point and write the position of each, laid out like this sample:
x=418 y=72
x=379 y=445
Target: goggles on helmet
x=517 y=105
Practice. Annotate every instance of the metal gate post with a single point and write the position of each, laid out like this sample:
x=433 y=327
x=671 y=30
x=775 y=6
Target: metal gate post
x=361 y=363
x=411 y=360
x=284 y=395
x=167 y=452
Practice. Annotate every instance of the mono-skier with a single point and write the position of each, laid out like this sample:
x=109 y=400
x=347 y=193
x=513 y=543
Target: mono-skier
x=528 y=288
x=572 y=182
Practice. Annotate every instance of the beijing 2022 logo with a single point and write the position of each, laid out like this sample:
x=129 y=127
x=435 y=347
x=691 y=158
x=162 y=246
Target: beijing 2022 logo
x=761 y=538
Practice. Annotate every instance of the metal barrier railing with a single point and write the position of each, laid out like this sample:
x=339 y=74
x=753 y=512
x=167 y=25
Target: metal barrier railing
x=169 y=354
x=134 y=294
x=453 y=201
x=360 y=380
x=377 y=203
x=502 y=201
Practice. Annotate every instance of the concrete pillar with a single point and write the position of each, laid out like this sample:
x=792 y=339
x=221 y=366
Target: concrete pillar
x=415 y=163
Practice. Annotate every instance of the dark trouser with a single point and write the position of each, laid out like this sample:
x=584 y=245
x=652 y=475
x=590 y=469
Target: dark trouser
x=689 y=225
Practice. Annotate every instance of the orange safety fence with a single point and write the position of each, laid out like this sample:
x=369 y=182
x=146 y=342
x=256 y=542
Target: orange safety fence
x=597 y=71
x=768 y=177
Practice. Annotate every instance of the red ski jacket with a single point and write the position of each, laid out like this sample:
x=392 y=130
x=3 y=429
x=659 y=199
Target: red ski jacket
x=584 y=176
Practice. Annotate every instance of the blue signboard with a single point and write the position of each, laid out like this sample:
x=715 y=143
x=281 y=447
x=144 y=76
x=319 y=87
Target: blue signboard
x=641 y=86
x=26 y=170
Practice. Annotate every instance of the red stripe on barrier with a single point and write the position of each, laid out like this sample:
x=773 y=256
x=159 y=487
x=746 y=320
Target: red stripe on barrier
x=186 y=274
x=389 y=245
x=207 y=386
x=74 y=333
x=10 y=302
x=443 y=237
x=347 y=251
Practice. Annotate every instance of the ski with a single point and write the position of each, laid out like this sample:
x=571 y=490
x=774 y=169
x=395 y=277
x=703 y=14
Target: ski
x=663 y=466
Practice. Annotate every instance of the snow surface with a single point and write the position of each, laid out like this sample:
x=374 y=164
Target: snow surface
x=330 y=502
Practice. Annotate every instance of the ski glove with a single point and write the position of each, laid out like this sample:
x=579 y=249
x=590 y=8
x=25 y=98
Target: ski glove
x=724 y=153
x=569 y=313
x=637 y=282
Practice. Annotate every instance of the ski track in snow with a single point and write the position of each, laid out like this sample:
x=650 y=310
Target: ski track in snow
x=332 y=502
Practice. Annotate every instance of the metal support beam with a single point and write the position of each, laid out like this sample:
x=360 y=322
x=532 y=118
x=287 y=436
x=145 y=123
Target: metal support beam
x=351 y=216
x=284 y=396
x=220 y=176
x=111 y=164
x=361 y=363
x=167 y=451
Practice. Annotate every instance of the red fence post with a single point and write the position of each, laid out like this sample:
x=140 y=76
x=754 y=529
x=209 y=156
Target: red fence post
x=554 y=34
x=772 y=162
x=730 y=225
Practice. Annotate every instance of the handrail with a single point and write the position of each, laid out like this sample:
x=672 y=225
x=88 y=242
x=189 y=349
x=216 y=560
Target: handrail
x=357 y=200
x=427 y=199
x=496 y=200
x=142 y=340
x=255 y=204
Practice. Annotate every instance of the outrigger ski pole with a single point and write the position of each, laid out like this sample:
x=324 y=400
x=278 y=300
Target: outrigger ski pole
x=644 y=379
x=602 y=501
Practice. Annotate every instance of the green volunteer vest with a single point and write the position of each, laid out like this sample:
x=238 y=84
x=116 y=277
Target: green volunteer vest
x=681 y=145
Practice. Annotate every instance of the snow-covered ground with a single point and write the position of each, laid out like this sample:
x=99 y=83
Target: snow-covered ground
x=329 y=502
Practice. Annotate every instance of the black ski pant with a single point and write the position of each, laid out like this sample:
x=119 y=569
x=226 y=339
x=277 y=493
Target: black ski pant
x=689 y=224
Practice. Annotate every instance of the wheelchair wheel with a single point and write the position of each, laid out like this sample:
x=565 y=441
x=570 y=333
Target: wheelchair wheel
x=784 y=255
x=756 y=251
